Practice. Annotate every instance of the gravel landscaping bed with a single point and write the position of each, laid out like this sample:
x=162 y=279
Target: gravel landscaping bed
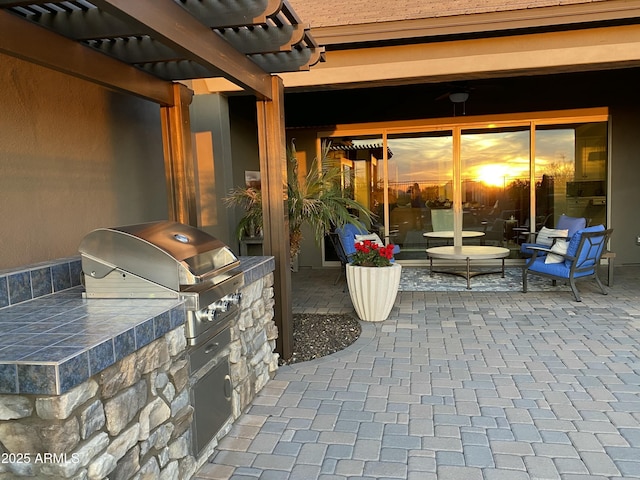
x=316 y=336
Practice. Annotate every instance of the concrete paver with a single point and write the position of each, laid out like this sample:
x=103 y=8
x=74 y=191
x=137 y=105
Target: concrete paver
x=455 y=385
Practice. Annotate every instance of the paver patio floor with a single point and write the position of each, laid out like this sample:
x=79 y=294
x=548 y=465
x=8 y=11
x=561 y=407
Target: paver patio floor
x=456 y=385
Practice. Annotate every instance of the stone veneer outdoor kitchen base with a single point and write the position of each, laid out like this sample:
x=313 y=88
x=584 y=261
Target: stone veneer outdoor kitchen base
x=133 y=419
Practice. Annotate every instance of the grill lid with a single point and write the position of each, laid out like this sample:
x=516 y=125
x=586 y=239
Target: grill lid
x=168 y=253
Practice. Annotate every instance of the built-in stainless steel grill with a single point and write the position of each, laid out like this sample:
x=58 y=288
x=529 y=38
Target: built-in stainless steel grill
x=172 y=260
x=165 y=260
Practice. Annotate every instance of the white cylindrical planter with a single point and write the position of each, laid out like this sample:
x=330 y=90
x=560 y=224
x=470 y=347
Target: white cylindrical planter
x=373 y=290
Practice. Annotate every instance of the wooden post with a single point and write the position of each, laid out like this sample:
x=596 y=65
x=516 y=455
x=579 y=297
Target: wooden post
x=273 y=170
x=178 y=157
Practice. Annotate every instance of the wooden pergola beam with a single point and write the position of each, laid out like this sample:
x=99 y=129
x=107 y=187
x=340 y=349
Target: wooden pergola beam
x=273 y=169
x=27 y=41
x=178 y=157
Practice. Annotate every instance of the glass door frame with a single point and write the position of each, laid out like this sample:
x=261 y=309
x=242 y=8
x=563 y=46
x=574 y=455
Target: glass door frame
x=457 y=125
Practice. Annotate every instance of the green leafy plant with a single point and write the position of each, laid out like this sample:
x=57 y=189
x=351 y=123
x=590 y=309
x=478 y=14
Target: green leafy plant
x=370 y=254
x=316 y=200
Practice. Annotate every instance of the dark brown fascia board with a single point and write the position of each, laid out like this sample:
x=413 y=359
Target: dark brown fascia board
x=27 y=41
x=172 y=25
x=478 y=23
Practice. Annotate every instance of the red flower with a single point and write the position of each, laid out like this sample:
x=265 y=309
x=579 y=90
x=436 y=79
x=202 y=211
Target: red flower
x=370 y=254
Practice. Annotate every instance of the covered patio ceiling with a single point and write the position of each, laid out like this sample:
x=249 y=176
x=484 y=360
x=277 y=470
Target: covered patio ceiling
x=243 y=41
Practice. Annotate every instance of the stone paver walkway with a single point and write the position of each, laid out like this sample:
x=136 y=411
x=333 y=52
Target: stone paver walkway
x=455 y=386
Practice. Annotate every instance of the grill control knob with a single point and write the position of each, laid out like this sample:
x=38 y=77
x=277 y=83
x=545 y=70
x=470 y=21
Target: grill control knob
x=220 y=306
x=208 y=315
x=233 y=298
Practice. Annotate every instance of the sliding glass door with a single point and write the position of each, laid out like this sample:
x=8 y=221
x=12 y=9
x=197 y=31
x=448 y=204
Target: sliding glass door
x=495 y=182
x=571 y=172
x=420 y=182
x=499 y=179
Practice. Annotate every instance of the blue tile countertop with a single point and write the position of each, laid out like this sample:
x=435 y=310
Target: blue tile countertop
x=53 y=340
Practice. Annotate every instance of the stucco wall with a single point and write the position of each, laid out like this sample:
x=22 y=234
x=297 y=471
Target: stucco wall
x=625 y=178
x=73 y=157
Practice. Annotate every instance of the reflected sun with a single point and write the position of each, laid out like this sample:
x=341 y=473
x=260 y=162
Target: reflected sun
x=492 y=174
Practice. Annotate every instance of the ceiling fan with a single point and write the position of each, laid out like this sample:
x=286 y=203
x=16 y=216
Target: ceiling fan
x=458 y=95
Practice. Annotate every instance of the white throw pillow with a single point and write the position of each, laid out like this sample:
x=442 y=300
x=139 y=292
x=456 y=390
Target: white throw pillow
x=546 y=235
x=371 y=236
x=559 y=247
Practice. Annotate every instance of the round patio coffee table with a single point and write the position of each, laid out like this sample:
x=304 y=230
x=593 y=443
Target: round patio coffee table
x=467 y=253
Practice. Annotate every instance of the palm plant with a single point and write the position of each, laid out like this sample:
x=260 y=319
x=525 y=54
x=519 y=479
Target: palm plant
x=316 y=200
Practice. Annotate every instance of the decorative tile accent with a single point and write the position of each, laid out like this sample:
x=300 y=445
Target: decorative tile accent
x=144 y=333
x=124 y=344
x=9 y=378
x=4 y=292
x=178 y=317
x=100 y=357
x=37 y=379
x=73 y=372
x=162 y=324
x=19 y=287
x=75 y=267
x=41 y=284
x=61 y=277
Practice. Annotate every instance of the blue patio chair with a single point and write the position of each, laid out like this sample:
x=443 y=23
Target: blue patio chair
x=342 y=255
x=572 y=224
x=347 y=235
x=344 y=241
x=580 y=262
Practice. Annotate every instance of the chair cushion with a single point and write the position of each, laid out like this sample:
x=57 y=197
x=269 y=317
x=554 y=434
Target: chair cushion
x=347 y=234
x=546 y=236
x=373 y=237
x=575 y=241
x=561 y=269
x=572 y=224
x=560 y=246
x=556 y=269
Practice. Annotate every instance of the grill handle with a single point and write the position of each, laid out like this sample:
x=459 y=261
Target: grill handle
x=228 y=387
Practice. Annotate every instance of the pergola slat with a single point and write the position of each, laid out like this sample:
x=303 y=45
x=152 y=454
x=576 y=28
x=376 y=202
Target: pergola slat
x=293 y=61
x=231 y=13
x=264 y=39
x=86 y=25
x=137 y=50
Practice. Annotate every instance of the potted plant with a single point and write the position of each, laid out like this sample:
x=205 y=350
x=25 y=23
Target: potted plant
x=373 y=280
x=316 y=200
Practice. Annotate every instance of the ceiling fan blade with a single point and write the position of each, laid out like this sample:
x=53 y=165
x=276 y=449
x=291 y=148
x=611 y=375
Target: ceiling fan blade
x=444 y=96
